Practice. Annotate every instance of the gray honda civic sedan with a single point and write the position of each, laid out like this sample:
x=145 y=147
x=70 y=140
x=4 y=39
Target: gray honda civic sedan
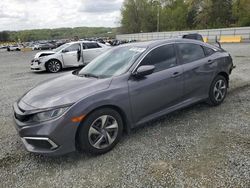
x=89 y=109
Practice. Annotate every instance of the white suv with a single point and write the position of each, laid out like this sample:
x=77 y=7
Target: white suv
x=73 y=54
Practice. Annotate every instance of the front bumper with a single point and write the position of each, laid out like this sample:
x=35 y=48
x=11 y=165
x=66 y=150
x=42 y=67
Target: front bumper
x=37 y=66
x=52 y=138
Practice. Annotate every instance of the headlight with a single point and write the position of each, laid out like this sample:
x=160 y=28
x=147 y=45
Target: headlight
x=40 y=59
x=47 y=115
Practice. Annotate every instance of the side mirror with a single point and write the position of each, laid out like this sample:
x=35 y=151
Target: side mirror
x=144 y=70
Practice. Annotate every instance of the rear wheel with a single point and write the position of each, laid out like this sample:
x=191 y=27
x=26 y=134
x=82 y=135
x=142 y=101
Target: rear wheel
x=100 y=131
x=53 y=66
x=218 y=90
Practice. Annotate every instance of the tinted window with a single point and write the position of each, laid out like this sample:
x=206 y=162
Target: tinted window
x=190 y=52
x=208 y=51
x=92 y=45
x=162 y=58
x=84 y=46
x=73 y=47
x=193 y=36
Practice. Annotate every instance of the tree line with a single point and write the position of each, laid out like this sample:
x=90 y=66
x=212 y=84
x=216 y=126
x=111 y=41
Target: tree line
x=142 y=15
x=60 y=33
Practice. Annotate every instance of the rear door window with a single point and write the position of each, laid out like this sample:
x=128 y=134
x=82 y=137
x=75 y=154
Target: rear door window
x=208 y=51
x=190 y=52
x=92 y=45
x=84 y=46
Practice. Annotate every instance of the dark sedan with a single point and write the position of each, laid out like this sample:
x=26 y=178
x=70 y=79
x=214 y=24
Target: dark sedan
x=123 y=88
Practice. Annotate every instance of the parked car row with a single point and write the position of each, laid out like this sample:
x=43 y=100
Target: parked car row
x=37 y=45
x=109 y=41
x=52 y=44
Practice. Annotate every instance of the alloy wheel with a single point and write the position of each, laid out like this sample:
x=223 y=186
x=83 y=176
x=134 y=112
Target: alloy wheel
x=220 y=88
x=103 y=132
x=54 y=66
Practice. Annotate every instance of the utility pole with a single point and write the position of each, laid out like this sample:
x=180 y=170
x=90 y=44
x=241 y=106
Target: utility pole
x=158 y=17
x=157 y=2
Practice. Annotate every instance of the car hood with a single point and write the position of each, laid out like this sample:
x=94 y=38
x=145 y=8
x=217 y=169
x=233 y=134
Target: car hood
x=60 y=91
x=44 y=53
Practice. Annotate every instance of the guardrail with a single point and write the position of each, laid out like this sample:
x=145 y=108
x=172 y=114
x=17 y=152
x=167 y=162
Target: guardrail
x=209 y=34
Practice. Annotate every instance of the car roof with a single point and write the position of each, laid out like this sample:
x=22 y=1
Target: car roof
x=155 y=43
x=81 y=41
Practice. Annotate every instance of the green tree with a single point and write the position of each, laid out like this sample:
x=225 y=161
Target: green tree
x=214 y=14
x=174 y=15
x=141 y=15
x=4 y=36
x=193 y=10
x=221 y=13
x=134 y=13
x=241 y=12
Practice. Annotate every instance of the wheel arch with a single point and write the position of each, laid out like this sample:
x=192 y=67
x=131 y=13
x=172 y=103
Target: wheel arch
x=123 y=115
x=225 y=75
x=126 y=125
x=55 y=59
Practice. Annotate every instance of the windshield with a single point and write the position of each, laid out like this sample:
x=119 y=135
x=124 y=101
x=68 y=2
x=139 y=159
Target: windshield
x=112 y=63
x=61 y=47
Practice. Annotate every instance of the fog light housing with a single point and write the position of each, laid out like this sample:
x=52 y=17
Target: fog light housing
x=39 y=143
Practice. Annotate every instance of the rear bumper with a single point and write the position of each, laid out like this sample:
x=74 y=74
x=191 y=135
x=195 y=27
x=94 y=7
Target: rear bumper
x=51 y=138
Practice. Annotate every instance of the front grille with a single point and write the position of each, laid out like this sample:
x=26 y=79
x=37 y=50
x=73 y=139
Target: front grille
x=35 y=69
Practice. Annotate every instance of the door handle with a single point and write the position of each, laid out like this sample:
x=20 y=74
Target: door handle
x=209 y=62
x=176 y=74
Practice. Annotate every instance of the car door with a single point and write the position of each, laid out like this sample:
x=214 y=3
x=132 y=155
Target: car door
x=71 y=55
x=198 y=70
x=91 y=51
x=155 y=93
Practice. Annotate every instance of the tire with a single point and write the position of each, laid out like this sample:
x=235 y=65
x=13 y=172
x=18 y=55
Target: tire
x=53 y=66
x=100 y=131
x=218 y=90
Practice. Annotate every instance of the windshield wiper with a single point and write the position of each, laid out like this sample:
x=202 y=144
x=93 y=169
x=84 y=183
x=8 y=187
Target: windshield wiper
x=87 y=75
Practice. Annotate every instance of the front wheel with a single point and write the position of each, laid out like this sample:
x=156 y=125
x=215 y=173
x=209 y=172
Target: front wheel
x=218 y=90
x=100 y=131
x=53 y=66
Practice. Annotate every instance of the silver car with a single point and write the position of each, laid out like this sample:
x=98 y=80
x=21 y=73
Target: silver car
x=73 y=54
x=121 y=89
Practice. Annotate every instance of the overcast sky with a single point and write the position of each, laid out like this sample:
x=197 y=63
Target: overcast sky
x=37 y=14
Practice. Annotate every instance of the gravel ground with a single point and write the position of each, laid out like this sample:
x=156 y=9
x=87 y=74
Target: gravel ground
x=200 y=146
